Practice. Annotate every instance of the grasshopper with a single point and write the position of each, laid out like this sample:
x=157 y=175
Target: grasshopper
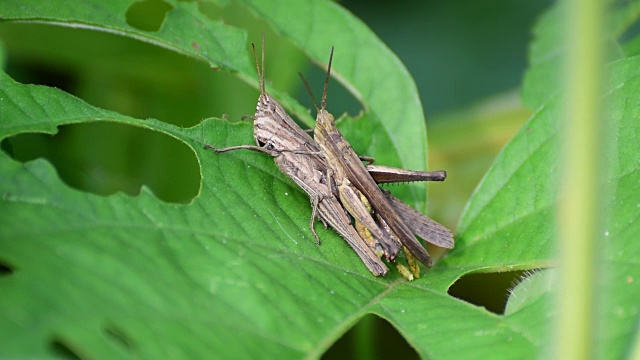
x=298 y=156
x=354 y=182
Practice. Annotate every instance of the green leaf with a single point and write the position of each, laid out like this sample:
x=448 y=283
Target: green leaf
x=198 y=278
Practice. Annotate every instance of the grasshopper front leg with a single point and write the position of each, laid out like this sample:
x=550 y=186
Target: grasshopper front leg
x=264 y=150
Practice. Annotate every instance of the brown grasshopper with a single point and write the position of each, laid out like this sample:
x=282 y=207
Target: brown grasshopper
x=299 y=157
x=354 y=184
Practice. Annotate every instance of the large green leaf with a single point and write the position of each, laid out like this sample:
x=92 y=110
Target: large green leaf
x=235 y=273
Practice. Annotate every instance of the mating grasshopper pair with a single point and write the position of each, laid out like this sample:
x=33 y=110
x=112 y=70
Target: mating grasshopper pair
x=335 y=179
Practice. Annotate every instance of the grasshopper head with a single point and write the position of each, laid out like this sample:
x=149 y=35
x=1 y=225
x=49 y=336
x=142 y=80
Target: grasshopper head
x=273 y=126
x=264 y=122
x=324 y=118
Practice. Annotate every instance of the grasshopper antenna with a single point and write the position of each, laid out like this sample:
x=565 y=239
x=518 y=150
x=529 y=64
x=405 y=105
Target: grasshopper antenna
x=262 y=81
x=326 y=85
x=326 y=82
x=306 y=85
x=260 y=73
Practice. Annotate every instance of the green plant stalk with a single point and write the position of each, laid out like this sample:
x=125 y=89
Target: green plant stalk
x=364 y=338
x=578 y=203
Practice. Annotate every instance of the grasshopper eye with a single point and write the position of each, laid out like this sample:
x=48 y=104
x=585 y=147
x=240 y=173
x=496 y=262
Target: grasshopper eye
x=270 y=146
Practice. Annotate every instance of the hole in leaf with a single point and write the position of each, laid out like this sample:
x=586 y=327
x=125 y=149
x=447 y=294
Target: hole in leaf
x=118 y=336
x=5 y=268
x=371 y=338
x=105 y=157
x=63 y=350
x=30 y=72
x=147 y=15
x=490 y=290
x=210 y=9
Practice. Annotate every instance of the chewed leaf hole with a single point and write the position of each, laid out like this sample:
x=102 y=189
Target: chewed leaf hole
x=371 y=338
x=62 y=350
x=490 y=290
x=104 y=158
x=5 y=268
x=147 y=15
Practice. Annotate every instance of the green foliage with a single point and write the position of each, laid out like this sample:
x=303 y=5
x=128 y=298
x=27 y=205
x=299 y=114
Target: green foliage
x=234 y=271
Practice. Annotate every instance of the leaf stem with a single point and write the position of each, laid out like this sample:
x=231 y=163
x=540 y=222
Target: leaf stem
x=364 y=334
x=578 y=216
